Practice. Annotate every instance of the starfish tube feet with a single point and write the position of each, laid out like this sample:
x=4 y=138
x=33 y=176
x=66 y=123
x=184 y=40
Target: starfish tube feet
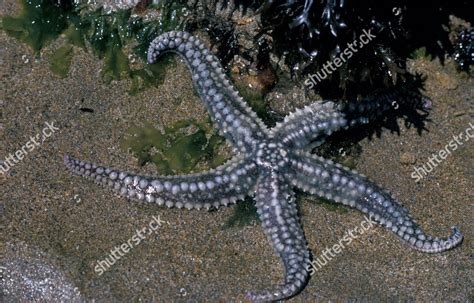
x=220 y=187
x=334 y=182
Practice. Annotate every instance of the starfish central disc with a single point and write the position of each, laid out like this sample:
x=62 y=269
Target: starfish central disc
x=272 y=155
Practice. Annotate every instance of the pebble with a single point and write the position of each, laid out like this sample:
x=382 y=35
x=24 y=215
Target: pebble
x=407 y=158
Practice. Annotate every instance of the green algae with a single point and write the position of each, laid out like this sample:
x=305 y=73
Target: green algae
x=77 y=31
x=245 y=213
x=150 y=75
x=106 y=34
x=172 y=18
x=421 y=53
x=109 y=33
x=256 y=101
x=61 y=60
x=176 y=149
x=39 y=23
x=179 y=149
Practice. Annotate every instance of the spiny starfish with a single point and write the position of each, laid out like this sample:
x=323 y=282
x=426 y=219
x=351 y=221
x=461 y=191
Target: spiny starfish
x=269 y=164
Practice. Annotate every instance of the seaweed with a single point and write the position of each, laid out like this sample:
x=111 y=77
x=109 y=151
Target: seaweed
x=305 y=35
x=61 y=60
x=105 y=33
x=421 y=53
x=172 y=18
x=179 y=149
x=176 y=149
x=222 y=35
x=245 y=213
x=308 y=34
x=256 y=101
x=39 y=23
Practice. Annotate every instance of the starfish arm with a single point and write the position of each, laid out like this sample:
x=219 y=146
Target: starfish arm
x=278 y=212
x=315 y=122
x=234 y=118
x=311 y=124
x=221 y=186
x=342 y=185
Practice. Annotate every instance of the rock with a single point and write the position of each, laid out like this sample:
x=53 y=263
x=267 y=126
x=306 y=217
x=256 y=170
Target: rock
x=262 y=81
x=286 y=97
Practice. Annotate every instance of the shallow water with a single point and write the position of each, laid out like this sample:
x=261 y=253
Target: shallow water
x=58 y=226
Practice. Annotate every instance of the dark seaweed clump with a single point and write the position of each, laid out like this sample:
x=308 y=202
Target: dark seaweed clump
x=215 y=18
x=222 y=34
x=311 y=33
x=307 y=34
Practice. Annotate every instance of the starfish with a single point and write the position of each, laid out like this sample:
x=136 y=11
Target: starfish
x=269 y=164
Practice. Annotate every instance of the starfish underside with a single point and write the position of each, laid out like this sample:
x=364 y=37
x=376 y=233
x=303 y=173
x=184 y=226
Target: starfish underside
x=269 y=164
